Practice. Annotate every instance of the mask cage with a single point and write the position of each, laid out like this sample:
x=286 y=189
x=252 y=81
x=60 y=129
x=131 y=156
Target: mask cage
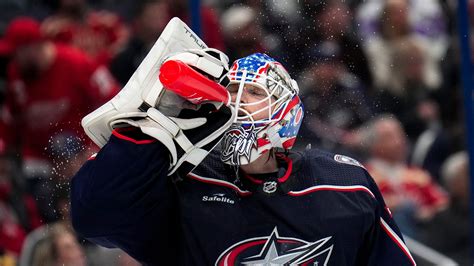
x=277 y=98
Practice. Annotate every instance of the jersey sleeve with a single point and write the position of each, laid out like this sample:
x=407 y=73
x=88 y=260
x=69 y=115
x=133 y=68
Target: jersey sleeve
x=384 y=243
x=123 y=198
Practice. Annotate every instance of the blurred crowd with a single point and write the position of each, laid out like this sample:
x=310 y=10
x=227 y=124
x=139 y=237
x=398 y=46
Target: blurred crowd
x=379 y=80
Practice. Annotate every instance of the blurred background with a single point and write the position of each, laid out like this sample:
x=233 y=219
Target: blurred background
x=380 y=81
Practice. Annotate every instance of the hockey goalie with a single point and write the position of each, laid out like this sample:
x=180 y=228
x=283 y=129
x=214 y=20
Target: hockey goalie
x=196 y=168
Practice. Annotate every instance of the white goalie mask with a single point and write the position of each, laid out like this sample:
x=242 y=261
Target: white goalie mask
x=269 y=109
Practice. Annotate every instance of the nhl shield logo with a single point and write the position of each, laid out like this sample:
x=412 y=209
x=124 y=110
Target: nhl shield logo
x=269 y=187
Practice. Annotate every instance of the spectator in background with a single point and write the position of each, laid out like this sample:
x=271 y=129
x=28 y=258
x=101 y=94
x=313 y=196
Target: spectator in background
x=100 y=34
x=59 y=247
x=243 y=34
x=211 y=33
x=334 y=102
x=274 y=16
x=425 y=20
x=329 y=24
x=279 y=22
x=433 y=145
x=150 y=18
x=394 y=33
x=449 y=230
x=38 y=247
x=50 y=88
x=409 y=192
x=407 y=86
x=18 y=212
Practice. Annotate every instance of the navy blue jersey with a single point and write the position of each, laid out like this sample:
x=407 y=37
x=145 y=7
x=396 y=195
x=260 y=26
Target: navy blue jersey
x=319 y=209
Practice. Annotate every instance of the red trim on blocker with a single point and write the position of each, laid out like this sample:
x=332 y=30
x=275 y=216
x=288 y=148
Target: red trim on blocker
x=121 y=136
x=398 y=241
x=219 y=183
x=331 y=188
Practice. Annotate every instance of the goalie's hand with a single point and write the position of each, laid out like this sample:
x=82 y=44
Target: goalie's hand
x=209 y=61
x=188 y=129
x=188 y=137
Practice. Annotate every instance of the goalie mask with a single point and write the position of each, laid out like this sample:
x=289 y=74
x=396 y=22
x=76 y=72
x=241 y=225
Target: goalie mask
x=269 y=109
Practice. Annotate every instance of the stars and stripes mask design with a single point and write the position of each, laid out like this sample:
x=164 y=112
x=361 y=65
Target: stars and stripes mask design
x=282 y=110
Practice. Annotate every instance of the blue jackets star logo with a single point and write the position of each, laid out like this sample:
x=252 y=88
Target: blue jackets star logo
x=276 y=250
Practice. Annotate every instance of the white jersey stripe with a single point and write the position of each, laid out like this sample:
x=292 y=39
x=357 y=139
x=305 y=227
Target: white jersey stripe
x=397 y=240
x=220 y=183
x=333 y=188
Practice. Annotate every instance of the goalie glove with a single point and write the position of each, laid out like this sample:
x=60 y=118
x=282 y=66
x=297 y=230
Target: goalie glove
x=144 y=89
x=195 y=130
x=208 y=61
x=188 y=137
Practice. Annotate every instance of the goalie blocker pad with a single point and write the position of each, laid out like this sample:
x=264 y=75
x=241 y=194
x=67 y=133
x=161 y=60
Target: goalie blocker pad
x=188 y=131
x=188 y=137
x=144 y=89
x=205 y=138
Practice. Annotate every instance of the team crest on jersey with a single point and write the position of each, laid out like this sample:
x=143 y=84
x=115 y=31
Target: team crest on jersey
x=239 y=141
x=277 y=250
